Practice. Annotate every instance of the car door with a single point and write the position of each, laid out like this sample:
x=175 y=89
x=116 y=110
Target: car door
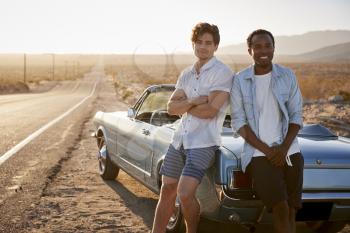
x=156 y=130
x=136 y=134
x=129 y=134
x=138 y=146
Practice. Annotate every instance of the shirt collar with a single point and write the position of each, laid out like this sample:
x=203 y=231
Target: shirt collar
x=206 y=66
x=251 y=74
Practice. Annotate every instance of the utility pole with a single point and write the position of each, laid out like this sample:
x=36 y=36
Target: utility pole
x=78 y=69
x=24 y=68
x=53 y=66
x=65 y=73
x=75 y=69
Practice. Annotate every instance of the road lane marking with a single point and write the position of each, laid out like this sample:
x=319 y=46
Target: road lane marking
x=24 y=142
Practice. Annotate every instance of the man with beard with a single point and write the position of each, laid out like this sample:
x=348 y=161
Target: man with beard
x=201 y=97
x=266 y=107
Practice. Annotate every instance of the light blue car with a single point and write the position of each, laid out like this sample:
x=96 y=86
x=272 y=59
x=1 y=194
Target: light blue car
x=136 y=141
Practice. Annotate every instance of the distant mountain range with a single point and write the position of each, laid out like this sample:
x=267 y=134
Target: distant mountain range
x=339 y=52
x=312 y=46
x=297 y=44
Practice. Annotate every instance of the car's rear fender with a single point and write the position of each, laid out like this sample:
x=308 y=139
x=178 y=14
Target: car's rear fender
x=225 y=162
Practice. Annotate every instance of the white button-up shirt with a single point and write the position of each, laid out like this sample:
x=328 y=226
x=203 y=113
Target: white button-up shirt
x=194 y=132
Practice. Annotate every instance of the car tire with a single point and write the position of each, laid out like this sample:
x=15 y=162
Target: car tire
x=107 y=169
x=176 y=222
x=326 y=226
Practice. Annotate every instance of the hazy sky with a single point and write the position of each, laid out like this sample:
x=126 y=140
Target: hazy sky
x=130 y=26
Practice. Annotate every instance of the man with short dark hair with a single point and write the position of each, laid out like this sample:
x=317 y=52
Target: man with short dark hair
x=201 y=97
x=266 y=107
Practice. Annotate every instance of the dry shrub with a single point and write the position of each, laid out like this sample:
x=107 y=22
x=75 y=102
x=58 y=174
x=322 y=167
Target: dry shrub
x=127 y=93
x=345 y=95
x=322 y=80
x=9 y=86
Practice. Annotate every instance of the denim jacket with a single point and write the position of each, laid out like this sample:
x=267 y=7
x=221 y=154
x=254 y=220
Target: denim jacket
x=244 y=106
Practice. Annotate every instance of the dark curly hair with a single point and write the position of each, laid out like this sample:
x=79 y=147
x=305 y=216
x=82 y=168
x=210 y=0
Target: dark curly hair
x=259 y=32
x=202 y=28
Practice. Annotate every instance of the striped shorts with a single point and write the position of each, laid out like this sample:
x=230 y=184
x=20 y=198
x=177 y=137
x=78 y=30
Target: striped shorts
x=188 y=162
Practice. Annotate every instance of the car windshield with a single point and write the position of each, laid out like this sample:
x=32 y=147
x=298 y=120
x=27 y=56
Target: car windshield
x=155 y=101
x=154 y=110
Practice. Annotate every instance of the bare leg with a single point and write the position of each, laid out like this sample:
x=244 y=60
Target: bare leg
x=166 y=204
x=189 y=204
x=280 y=214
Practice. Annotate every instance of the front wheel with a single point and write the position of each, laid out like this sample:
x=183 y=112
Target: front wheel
x=176 y=222
x=325 y=226
x=107 y=169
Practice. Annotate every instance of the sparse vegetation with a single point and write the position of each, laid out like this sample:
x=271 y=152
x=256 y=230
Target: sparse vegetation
x=9 y=86
x=40 y=68
x=316 y=80
x=322 y=80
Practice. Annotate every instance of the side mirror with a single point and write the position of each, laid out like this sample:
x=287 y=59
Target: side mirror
x=131 y=112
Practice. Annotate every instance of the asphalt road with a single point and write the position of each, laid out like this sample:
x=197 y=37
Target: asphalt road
x=23 y=114
x=48 y=125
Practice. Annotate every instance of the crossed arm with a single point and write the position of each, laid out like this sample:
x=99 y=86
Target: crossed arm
x=204 y=107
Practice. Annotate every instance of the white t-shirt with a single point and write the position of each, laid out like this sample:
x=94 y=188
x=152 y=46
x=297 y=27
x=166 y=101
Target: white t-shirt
x=270 y=118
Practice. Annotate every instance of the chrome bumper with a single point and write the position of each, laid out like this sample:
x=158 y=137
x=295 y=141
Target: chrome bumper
x=326 y=196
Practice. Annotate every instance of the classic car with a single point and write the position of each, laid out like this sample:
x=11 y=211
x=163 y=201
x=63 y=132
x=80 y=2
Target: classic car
x=136 y=141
